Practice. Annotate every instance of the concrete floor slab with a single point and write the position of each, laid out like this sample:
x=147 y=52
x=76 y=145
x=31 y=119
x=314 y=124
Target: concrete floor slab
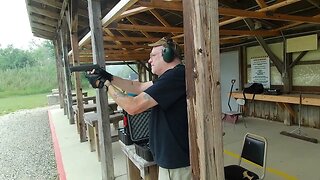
x=78 y=162
x=288 y=158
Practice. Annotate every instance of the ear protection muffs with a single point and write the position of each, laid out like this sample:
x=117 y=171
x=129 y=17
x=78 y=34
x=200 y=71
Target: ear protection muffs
x=168 y=53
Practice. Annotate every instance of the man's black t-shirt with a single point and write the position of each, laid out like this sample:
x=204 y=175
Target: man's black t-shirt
x=168 y=126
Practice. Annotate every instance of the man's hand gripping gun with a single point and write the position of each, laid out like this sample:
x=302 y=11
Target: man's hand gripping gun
x=93 y=77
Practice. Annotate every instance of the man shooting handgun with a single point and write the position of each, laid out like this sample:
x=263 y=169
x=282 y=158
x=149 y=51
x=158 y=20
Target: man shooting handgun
x=166 y=96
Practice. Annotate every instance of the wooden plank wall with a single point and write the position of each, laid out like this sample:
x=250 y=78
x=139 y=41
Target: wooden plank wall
x=310 y=115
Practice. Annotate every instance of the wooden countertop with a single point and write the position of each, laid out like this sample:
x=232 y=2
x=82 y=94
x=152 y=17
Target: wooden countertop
x=307 y=99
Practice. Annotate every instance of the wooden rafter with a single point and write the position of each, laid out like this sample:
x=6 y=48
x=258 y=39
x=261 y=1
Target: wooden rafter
x=261 y=3
x=146 y=28
x=175 y=6
x=122 y=46
x=52 y=3
x=147 y=51
x=42 y=27
x=62 y=12
x=267 y=15
x=287 y=26
x=113 y=14
x=129 y=27
x=269 y=8
x=135 y=23
x=316 y=3
x=43 y=12
x=126 y=36
x=248 y=33
x=117 y=11
x=128 y=39
x=46 y=21
x=134 y=11
x=111 y=35
x=160 y=19
x=119 y=57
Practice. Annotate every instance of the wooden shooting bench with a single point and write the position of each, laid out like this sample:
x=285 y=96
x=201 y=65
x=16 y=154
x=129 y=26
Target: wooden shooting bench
x=284 y=101
x=85 y=94
x=93 y=108
x=91 y=120
x=137 y=167
x=85 y=99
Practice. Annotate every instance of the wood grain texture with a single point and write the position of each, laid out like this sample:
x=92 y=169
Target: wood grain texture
x=203 y=88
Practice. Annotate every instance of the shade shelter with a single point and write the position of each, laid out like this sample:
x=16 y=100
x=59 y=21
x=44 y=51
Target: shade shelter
x=109 y=31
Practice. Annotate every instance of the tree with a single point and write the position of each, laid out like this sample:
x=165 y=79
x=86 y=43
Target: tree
x=38 y=54
x=11 y=58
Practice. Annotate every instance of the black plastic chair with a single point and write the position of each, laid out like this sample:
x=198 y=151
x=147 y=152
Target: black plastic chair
x=254 y=150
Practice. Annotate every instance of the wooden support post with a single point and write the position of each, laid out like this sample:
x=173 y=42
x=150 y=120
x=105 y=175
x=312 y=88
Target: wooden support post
x=201 y=30
x=63 y=36
x=73 y=26
x=106 y=157
x=59 y=67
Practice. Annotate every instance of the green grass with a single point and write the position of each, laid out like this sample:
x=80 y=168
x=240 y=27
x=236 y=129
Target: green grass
x=14 y=103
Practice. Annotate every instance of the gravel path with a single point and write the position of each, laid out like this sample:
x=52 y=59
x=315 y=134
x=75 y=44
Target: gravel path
x=26 y=150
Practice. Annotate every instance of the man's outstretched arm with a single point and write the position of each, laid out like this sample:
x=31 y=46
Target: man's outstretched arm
x=132 y=105
x=134 y=87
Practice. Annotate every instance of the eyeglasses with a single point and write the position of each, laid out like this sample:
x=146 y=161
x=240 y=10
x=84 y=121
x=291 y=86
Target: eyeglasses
x=154 y=54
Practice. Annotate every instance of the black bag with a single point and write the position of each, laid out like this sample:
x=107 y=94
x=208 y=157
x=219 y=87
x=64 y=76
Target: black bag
x=253 y=88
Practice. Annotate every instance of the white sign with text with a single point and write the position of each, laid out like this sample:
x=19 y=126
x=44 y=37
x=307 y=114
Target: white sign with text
x=260 y=71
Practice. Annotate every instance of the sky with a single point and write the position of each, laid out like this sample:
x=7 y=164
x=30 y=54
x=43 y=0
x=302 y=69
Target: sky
x=15 y=28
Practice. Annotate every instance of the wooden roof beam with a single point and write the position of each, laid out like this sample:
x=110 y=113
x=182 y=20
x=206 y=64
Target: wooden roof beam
x=134 y=22
x=111 y=35
x=117 y=11
x=43 y=27
x=42 y=32
x=276 y=61
x=315 y=3
x=62 y=12
x=226 y=41
x=268 y=15
x=128 y=47
x=119 y=58
x=134 y=11
x=43 y=12
x=44 y=36
x=129 y=27
x=160 y=19
x=146 y=28
x=113 y=14
x=269 y=8
x=110 y=52
x=126 y=36
x=160 y=4
x=291 y=25
x=48 y=21
x=261 y=3
x=51 y=3
x=133 y=39
x=58 y=5
x=248 y=32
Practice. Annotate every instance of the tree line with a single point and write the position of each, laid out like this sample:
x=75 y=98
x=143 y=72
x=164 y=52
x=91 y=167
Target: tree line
x=38 y=54
x=33 y=71
x=30 y=71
